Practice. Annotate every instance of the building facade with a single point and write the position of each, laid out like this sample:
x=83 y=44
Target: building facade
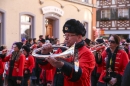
x=31 y=18
x=113 y=16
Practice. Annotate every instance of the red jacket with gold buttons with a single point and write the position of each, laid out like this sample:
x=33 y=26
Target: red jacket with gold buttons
x=121 y=62
x=86 y=65
x=18 y=66
x=29 y=63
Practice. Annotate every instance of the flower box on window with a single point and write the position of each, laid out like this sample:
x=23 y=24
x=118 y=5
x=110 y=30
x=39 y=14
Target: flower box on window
x=105 y=19
x=122 y=18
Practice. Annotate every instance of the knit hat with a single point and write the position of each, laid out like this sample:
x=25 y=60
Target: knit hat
x=19 y=45
x=26 y=48
x=23 y=39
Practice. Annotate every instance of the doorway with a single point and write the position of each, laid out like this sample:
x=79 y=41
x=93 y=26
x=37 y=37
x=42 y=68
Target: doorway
x=49 y=26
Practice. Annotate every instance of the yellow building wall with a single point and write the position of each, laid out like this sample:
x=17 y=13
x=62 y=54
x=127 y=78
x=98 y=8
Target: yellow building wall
x=13 y=9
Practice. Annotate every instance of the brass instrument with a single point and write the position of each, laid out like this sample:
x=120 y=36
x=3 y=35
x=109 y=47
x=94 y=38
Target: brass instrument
x=69 y=52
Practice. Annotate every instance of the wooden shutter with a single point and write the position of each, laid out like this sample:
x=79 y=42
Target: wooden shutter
x=98 y=15
x=114 y=14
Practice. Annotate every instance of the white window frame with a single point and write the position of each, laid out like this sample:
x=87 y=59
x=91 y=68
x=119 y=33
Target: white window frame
x=26 y=23
x=123 y=12
x=105 y=14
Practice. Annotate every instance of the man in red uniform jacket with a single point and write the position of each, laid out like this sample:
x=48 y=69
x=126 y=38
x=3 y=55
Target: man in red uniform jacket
x=65 y=74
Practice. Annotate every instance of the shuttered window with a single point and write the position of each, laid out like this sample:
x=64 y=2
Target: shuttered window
x=105 y=14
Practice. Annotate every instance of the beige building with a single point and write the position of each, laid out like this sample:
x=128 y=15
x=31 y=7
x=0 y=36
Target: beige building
x=31 y=18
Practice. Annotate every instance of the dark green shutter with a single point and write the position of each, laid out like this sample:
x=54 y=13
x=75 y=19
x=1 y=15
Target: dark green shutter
x=114 y=14
x=98 y=15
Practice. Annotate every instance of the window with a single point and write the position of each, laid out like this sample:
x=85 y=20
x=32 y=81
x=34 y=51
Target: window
x=86 y=27
x=0 y=28
x=85 y=1
x=105 y=14
x=123 y=13
x=26 y=26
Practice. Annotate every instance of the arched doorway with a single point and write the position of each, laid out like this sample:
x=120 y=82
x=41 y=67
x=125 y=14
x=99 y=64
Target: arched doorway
x=51 y=25
x=51 y=19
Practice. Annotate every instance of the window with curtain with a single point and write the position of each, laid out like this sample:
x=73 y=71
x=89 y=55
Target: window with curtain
x=26 y=26
x=105 y=14
x=123 y=13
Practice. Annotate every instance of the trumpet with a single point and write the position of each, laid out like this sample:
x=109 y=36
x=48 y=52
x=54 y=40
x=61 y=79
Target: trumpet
x=98 y=49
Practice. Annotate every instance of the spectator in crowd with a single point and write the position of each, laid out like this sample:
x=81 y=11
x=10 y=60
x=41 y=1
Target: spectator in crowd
x=34 y=41
x=41 y=37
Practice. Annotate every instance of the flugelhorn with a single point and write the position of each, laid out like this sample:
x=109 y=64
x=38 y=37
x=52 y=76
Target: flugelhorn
x=66 y=53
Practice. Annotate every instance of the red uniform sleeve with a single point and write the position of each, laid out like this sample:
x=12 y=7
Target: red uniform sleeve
x=31 y=62
x=21 y=66
x=125 y=60
x=6 y=58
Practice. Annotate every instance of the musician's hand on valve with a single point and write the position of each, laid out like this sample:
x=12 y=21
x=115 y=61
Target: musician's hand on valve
x=46 y=48
x=54 y=62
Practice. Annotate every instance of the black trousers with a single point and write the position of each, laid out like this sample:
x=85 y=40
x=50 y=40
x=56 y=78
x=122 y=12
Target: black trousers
x=12 y=82
x=94 y=80
x=1 y=80
x=101 y=84
x=25 y=80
